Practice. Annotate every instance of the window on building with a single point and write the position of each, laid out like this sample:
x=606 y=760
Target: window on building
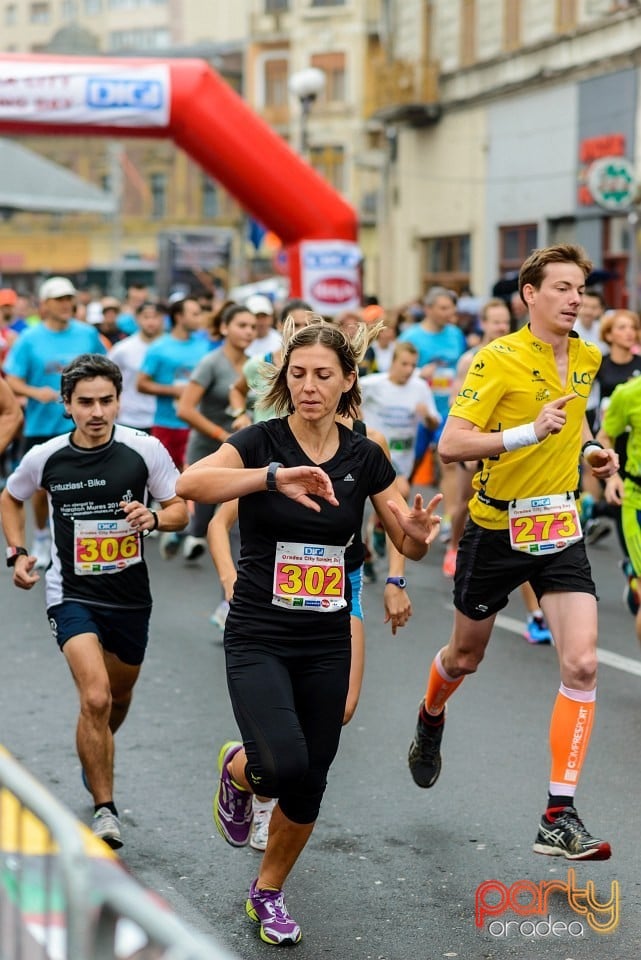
x=142 y=38
x=10 y=14
x=276 y=71
x=468 y=32
x=446 y=262
x=333 y=66
x=93 y=7
x=158 y=185
x=210 y=198
x=273 y=6
x=566 y=15
x=327 y=3
x=512 y=24
x=515 y=245
x=68 y=9
x=329 y=161
x=39 y=13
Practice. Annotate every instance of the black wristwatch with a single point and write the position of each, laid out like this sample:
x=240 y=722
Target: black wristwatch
x=397 y=581
x=271 y=476
x=13 y=553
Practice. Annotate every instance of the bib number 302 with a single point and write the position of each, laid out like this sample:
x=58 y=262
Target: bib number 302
x=309 y=576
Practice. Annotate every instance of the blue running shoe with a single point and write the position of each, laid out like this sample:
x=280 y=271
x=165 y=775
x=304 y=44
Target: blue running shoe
x=537 y=630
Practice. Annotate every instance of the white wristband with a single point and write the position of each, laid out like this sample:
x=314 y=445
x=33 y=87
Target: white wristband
x=516 y=437
x=589 y=447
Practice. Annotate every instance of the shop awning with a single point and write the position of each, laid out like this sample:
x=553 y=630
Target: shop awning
x=29 y=181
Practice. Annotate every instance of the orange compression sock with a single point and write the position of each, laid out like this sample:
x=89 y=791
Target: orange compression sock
x=440 y=687
x=570 y=729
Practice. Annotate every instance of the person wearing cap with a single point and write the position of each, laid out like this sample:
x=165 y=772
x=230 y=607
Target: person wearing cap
x=33 y=367
x=109 y=329
x=267 y=339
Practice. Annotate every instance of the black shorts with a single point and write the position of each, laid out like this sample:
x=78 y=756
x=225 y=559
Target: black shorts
x=488 y=570
x=120 y=631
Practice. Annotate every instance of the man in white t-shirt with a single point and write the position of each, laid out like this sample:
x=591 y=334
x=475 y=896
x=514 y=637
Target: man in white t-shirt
x=395 y=403
x=267 y=339
x=137 y=409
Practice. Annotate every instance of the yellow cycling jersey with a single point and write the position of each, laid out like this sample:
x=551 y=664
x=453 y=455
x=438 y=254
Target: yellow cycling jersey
x=508 y=383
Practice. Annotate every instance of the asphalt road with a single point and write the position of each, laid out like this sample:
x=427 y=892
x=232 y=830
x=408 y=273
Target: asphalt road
x=391 y=872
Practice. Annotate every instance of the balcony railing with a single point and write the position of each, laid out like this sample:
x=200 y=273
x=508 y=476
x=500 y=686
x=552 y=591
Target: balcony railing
x=401 y=83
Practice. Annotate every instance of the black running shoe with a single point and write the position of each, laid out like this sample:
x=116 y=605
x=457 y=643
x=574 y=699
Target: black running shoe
x=425 y=754
x=565 y=836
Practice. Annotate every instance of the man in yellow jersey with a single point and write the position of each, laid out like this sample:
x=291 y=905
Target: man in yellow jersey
x=521 y=411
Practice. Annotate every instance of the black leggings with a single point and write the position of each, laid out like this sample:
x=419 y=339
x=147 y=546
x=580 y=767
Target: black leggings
x=289 y=698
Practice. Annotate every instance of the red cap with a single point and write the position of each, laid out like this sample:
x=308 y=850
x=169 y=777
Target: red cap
x=372 y=313
x=8 y=297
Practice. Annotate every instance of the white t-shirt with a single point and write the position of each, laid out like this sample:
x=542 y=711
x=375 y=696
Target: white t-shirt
x=136 y=409
x=271 y=342
x=591 y=335
x=392 y=409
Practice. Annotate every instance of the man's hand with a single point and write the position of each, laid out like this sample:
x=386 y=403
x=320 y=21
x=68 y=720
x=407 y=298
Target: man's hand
x=552 y=417
x=604 y=463
x=139 y=516
x=22 y=575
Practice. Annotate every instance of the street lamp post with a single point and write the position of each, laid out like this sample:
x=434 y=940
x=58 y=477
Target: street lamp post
x=306 y=85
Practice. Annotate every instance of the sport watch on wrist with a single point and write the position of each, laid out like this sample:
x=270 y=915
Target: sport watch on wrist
x=397 y=581
x=271 y=476
x=13 y=553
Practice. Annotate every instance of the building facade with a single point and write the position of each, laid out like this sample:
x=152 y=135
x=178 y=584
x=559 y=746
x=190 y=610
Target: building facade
x=529 y=97
x=463 y=132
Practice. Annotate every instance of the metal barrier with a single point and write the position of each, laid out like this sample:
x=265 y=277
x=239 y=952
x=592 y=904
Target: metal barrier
x=64 y=894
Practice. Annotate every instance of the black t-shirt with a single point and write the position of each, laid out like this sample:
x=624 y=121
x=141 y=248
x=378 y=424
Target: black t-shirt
x=96 y=558
x=358 y=470
x=611 y=374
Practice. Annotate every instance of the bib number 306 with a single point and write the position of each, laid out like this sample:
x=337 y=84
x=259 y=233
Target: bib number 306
x=104 y=546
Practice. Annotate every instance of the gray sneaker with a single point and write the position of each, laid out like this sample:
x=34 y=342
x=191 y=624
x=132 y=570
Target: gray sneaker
x=106 y=826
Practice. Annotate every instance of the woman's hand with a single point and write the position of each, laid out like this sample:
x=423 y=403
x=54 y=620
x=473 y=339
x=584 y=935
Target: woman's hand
x=299 y=483
x=398 y=607
x=420 y=524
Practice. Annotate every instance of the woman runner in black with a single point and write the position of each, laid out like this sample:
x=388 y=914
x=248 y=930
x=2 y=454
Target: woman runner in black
x=303 y=481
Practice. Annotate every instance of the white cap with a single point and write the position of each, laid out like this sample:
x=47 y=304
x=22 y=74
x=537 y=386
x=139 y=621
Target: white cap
x=259 y=303
x=94 y=313
x=56 y=287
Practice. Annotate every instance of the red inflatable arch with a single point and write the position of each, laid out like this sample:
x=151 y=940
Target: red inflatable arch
x=187 y=101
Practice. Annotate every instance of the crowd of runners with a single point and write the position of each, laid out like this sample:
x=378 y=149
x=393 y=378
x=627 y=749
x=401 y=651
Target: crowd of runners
x=309 y=455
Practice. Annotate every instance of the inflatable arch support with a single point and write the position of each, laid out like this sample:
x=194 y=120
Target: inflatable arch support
x=187 y=101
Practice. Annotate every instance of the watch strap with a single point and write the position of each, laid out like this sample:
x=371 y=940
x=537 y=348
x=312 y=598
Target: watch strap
x=13 y=553
x=271 y=476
